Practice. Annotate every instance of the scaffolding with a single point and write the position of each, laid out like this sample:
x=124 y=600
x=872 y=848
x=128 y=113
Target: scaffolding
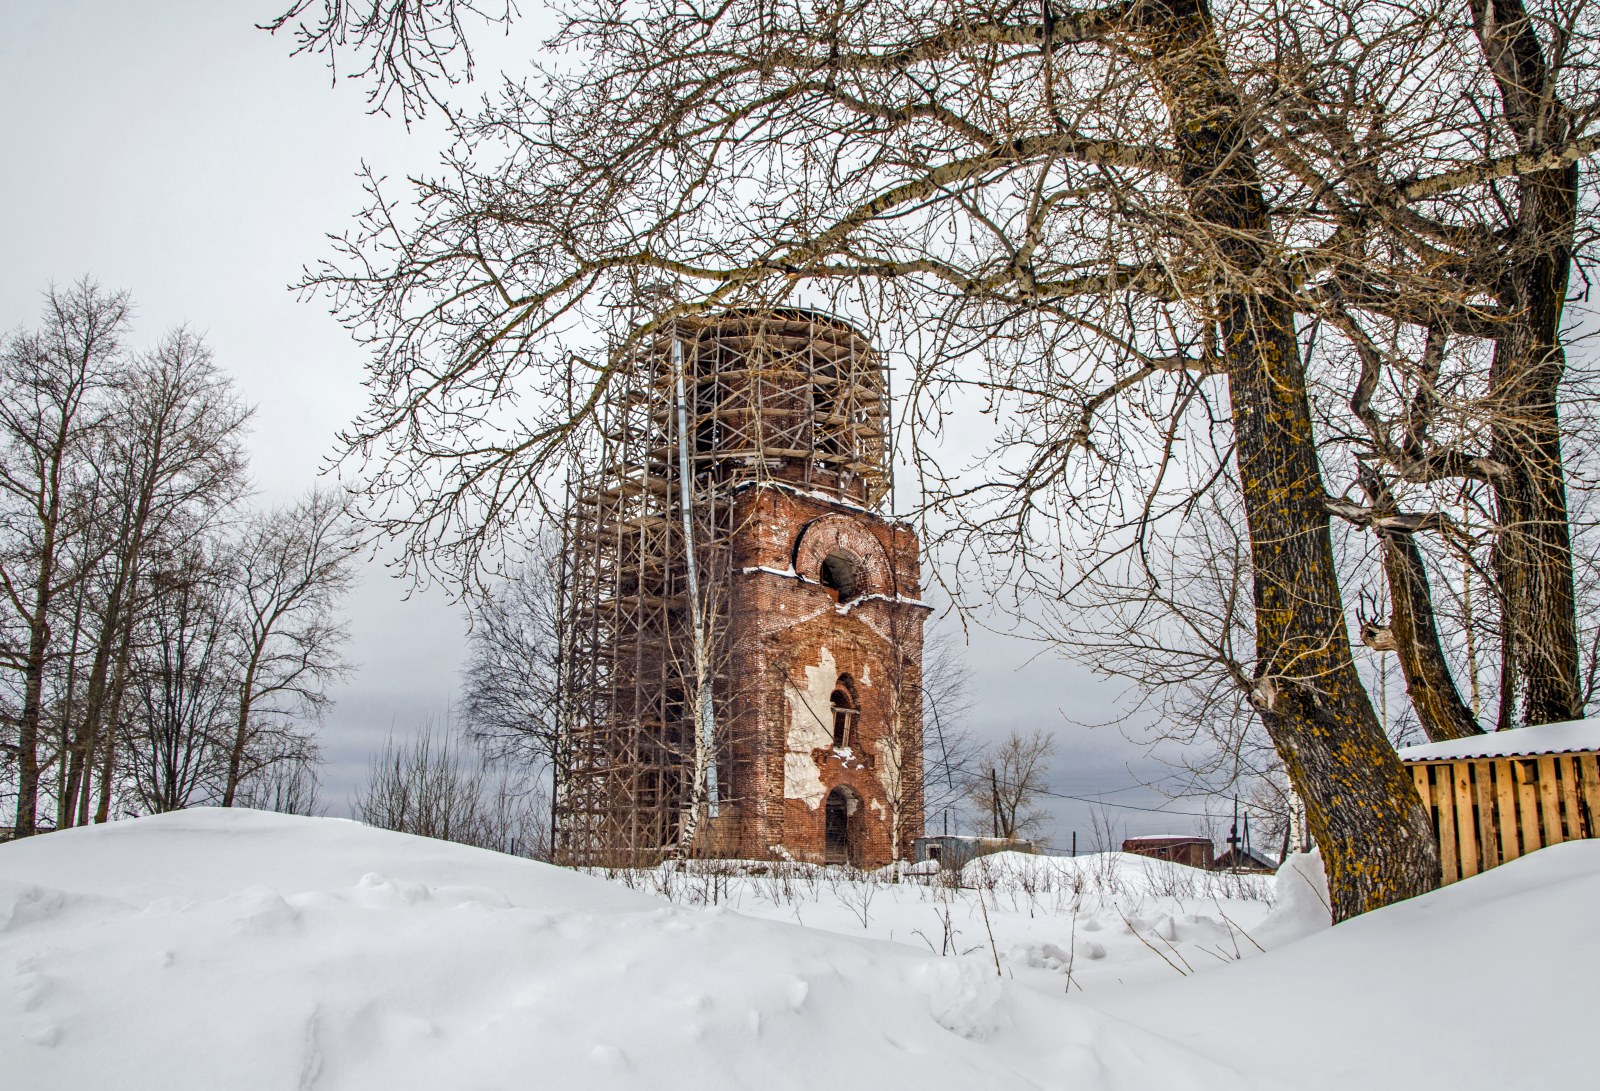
x=709 y=407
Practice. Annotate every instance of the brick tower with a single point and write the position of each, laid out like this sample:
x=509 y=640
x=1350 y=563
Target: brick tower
x=742 y=630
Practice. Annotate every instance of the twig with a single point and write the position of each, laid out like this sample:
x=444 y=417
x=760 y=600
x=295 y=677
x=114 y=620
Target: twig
x=992 y=948
x=1148 y=944
x=1242 y=932
x=1072 y=953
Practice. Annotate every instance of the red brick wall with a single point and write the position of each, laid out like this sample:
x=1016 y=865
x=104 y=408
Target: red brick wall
x=787 y=640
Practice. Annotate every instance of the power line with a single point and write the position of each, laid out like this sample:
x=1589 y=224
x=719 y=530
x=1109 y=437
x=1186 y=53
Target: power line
x=1127 y=806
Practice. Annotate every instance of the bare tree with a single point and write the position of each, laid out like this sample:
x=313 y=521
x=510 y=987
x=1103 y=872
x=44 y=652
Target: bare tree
x=120 y=628
x=510 y=691
x=179 y=683
x=1010 y=783
x=1153 y=234
x=405 y=48
x=50 y=414
x=436 y=786
x=950 y=753
x=291 y=569
x=291 y=787
x=171 y=461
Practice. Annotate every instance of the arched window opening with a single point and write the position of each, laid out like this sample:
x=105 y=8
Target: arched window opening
x=844 y=718
x=842 y=575
x=838 y=847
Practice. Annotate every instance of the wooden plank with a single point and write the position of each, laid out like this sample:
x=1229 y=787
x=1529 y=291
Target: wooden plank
x=1550 y=801
x=1589 y=793
x=1528 y=803
x=1419 y=777
x=1505 y=819
x=1444 y=801
x=1483 y=788
x=1466 y=822
x=1567 y=768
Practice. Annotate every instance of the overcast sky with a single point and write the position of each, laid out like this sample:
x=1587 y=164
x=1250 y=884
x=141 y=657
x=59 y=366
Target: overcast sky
x=169 y=148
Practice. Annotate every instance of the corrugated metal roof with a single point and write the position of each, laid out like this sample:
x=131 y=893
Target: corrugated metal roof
x=1573 y=736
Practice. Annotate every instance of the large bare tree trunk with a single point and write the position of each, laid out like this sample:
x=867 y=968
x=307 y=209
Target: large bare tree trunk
x=1533 y=553
x=1415 y=634
x=1376 y=838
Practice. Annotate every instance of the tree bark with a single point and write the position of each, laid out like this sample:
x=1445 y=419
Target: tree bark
x=241 y=734
x=1429 y=683
x=80 y=773
x=1376 y=837
x=119 y=688
x=27 y=815
x=1533 y=552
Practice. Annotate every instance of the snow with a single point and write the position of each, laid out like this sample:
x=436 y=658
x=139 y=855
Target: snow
x=786 y=573
x=1485 y=984
x=1102 y=919
x=1562 y=738
x=1301 y=902
x=244 y=950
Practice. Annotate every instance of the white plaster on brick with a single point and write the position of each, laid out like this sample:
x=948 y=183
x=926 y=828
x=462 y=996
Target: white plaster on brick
x=810 y=728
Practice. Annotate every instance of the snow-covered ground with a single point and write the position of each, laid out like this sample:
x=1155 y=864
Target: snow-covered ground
x=1102 y=919
x=213 y=949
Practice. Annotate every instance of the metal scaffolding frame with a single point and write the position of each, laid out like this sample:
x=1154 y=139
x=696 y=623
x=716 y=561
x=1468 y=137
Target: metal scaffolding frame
x=783 y=396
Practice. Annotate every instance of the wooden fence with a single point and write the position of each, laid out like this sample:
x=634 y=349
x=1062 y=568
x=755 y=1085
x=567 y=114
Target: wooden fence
x=1487 y=811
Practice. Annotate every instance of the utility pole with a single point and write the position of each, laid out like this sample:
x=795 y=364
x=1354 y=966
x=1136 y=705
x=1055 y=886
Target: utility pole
x=994 y=801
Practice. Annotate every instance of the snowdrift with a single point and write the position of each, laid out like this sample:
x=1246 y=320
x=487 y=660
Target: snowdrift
x=214 y=949
x=217 y=949
x=1485 y=985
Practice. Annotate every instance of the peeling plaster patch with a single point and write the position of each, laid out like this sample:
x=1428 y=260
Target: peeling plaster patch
x=803 y=780
x=876 y=806
x=810 y=728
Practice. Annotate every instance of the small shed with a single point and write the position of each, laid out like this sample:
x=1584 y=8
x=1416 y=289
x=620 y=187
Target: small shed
x=953 y=851
x=1246 y=859
x=1193 y=850
x=1499 y=796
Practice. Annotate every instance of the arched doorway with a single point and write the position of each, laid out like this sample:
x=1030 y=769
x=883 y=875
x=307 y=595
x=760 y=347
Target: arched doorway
x=839 y=841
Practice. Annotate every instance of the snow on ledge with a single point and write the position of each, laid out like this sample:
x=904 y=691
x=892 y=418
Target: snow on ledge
x=1564 y=738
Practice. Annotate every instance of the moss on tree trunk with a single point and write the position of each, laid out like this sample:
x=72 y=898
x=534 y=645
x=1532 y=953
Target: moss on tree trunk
x=1375 y=835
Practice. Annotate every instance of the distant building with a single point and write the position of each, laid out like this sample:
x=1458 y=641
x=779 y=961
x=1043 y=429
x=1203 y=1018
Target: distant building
x=1244 y=858
x=952 y=852
x=1187 y=849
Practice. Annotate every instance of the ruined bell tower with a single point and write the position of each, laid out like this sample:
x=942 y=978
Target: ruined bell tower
x=742 y=626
